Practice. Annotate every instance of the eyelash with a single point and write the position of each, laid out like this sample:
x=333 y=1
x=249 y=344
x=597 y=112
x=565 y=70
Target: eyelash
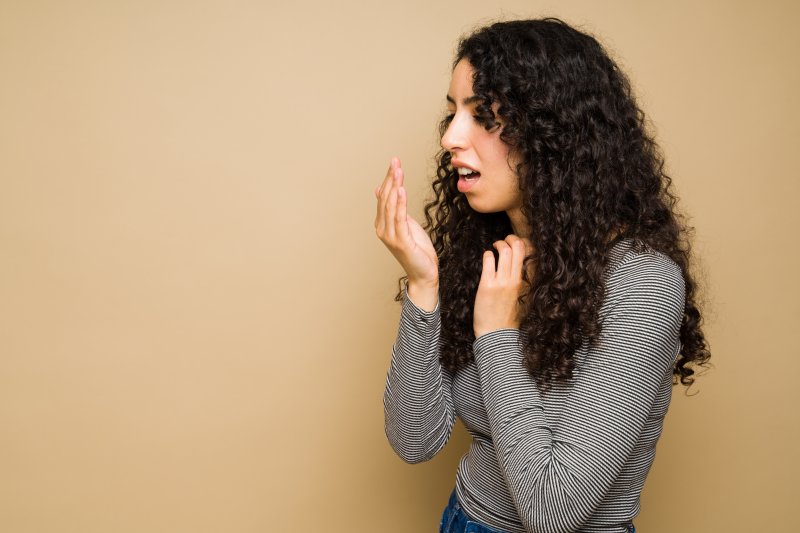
x=478 y=119
x=449 y=117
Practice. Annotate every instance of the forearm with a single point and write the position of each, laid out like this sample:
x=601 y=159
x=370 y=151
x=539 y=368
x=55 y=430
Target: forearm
x=418 y=409
x=549 y=476
x=424 y=295
x=558 y=475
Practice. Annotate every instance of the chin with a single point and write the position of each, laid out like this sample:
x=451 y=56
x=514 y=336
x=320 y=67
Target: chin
x=482 y=208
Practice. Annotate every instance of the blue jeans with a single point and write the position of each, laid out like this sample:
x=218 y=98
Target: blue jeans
x=455 y=520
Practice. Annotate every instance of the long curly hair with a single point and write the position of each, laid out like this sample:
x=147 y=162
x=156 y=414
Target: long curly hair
x=590 y=175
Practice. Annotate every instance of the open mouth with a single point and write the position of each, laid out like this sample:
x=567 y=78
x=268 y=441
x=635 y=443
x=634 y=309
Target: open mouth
x=468 y=174
x=467 y=178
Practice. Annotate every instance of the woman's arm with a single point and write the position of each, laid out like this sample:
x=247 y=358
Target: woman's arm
x=559 y=475
x=418 y=407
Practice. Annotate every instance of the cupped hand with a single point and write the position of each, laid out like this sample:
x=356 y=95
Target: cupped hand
x=402 y=235
x=496 y=302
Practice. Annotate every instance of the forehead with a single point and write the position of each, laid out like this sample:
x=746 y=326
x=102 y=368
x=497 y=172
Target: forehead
x=461 y=81
x=461 y=92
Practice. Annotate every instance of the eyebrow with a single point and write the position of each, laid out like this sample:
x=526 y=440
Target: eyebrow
x=466 y=101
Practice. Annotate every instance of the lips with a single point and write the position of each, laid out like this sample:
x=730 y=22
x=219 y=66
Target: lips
x=467 y=180
x=467 y=175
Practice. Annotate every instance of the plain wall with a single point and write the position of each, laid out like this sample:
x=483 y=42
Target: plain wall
x=196 y=316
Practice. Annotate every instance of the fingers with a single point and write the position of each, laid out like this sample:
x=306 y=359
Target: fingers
x=389 y=213
x=387 y=186
x=394 y=164
x=401 y=215
x=488 y=272
x=505 y=259
x=378 y=194
x=381 y=193
x=528 y=246
x=401 y=177
x=388 y=179
x=511 y=256
x=390 y=219
x=518 y=253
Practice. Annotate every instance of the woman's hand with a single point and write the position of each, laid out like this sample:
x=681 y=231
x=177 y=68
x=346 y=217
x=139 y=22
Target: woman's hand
x=401 y=234
x=496 y=305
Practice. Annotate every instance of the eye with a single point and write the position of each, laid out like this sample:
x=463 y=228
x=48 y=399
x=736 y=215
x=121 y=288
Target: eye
x=488 y=124
x=449 y=117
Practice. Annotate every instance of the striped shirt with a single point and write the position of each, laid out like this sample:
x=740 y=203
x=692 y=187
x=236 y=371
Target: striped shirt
x=573 y=458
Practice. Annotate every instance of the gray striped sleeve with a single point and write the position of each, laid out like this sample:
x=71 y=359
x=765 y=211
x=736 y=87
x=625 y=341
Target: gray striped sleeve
x=559 y=475
x=418 y=407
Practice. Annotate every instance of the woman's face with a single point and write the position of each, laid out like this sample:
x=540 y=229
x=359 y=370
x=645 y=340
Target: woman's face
x=496 y=186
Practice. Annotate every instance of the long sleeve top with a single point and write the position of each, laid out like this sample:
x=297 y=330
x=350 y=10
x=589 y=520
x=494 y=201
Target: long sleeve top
x=573 y=458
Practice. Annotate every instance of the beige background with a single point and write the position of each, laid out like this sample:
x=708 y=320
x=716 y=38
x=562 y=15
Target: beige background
x=196 y=315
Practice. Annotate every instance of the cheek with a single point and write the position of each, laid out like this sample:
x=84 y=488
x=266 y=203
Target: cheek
x=498 y=147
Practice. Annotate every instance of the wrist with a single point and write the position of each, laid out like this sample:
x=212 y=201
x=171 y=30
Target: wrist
x=488 y=341
x=483 y=331
x=424 y=295
x=424 y=283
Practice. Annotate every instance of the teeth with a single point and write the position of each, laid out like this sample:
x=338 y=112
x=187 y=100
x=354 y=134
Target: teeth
x=464 y=171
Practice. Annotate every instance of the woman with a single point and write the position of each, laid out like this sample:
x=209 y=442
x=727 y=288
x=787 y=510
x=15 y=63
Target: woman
x=548 y=303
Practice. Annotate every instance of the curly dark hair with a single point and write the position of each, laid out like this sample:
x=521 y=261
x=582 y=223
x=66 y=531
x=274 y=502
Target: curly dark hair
x=590 y=175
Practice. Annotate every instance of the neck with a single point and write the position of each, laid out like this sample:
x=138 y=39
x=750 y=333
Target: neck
x=519 y=223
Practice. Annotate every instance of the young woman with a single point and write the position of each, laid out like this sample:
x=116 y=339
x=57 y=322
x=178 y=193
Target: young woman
x=548 y=302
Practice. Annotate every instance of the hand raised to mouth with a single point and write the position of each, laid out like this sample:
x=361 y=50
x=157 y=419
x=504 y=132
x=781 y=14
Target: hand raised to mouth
x=405 y=238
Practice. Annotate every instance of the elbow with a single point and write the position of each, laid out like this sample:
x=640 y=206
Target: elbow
x=410 y=454
x=408 y=448
x=555 y=509
x=417 y=442
x=413 y=458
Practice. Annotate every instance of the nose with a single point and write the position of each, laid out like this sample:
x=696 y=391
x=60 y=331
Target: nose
x=455 y=136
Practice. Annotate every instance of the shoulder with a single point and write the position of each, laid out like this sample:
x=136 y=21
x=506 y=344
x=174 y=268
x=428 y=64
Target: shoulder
x=642 y=311
x=645 y=280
